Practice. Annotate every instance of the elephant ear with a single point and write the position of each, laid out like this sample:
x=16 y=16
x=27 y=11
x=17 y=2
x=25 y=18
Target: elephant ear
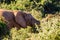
x=20 y=20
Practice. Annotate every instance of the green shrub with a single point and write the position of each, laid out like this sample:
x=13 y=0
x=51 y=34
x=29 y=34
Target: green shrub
x=3 y=29
x=48 y=30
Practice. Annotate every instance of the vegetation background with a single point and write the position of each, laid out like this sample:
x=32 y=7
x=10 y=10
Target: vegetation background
x=47 y=30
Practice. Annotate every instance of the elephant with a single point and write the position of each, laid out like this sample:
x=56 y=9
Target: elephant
x=17 y=18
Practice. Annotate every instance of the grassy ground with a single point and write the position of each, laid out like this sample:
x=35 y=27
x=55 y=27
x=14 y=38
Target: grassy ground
x=48 y=30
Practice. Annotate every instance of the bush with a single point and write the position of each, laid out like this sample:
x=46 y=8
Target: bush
x=3 y=28
x=47 y=30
